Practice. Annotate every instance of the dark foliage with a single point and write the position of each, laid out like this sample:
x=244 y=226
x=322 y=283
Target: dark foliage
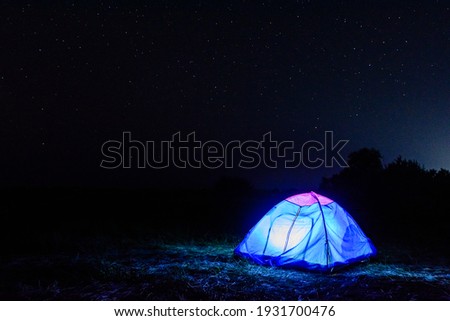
x=401 y=200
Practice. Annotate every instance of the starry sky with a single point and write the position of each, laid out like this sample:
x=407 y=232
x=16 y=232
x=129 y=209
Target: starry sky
x=76 y=74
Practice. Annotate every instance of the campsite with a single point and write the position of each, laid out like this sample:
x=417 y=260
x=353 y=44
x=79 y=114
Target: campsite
x=122 y=253
x=224 y=150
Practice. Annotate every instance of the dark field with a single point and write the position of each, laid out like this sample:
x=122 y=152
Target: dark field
x=207 y=270
x=178 y=245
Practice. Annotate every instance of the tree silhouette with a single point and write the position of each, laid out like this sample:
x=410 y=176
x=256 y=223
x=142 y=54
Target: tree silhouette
x=366 y=160
x=401 y=199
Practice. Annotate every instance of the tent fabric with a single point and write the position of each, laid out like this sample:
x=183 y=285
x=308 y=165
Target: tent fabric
x=306 y=231
x=308 y=199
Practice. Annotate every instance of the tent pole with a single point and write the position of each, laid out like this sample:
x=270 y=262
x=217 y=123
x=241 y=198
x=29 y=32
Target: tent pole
x=324 y=227
x=290 y=229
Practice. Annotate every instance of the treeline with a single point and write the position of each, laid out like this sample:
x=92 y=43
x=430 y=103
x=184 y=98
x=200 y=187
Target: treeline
x=401 y=200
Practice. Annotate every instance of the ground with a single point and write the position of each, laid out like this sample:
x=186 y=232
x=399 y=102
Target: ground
x=207 y=270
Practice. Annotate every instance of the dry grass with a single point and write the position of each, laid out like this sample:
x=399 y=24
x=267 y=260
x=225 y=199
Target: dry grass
x=208 y=271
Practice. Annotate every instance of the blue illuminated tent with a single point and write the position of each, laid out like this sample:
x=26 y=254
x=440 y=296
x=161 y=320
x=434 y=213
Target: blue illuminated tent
x=307 y=231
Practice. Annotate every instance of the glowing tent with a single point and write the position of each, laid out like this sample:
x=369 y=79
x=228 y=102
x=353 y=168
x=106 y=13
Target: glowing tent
x=307 y=231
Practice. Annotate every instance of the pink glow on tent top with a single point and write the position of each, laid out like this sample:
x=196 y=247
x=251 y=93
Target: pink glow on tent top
x=307 y=199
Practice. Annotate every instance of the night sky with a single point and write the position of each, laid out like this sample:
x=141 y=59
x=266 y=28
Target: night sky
x=76 y=74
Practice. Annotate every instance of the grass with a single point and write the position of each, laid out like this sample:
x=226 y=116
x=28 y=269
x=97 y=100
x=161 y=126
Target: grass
x=207 y=270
